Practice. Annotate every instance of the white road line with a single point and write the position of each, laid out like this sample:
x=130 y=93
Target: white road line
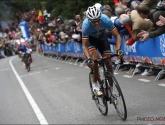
x=162 y=84
x=35 y=107
x=144 y=80
x=35 y=73
x=127 y=76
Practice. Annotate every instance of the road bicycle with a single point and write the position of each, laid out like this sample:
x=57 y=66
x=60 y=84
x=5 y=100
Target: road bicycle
x=116 y=97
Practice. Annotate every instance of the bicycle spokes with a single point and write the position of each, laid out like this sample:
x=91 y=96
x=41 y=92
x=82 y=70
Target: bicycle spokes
x=101 y=104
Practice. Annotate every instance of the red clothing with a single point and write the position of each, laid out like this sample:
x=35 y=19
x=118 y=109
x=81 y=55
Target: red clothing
x=131 y=40
x=116 y=1
x=50 y=37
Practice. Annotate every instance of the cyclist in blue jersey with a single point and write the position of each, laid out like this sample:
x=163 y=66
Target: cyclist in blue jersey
x=22 y=49
x=95 y=38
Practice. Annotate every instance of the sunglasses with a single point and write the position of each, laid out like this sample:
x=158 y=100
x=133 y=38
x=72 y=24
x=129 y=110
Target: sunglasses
x=95 y=21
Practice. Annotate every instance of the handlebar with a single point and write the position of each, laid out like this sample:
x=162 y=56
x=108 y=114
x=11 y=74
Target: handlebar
x=101 y=60
x=104 y=58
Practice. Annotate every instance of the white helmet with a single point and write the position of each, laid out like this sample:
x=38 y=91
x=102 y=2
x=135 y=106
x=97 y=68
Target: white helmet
x=98 y=6
x=93 y=14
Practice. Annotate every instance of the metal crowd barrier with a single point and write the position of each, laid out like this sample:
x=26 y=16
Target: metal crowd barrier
x=149 y=54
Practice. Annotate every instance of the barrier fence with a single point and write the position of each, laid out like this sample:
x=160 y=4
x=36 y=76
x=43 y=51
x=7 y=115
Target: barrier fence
x=149 y=54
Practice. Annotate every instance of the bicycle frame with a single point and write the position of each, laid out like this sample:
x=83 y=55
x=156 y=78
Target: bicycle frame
x=104 y=84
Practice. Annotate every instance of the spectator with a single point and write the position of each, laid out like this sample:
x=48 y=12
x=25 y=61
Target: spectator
x=121 y=28
x=136 y=23
x=108 y=13
x=157 y=30
x=107 y=7
x=128 y=5
x=83 y=15
x=78 y=20
x=150 y=3
x=161 y=21
x=76 y=35
x=2 y=49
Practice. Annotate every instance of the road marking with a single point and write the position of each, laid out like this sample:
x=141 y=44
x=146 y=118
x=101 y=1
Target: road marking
x=144 y=80
x=115 y=73
x=32 y=102
x=162 y=84
x=64 y=80
x=127 y=76
x=51 y=69
x=44 y=67
x=35 y=73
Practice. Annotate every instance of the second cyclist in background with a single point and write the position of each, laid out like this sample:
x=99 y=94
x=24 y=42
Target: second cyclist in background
x=22 y=49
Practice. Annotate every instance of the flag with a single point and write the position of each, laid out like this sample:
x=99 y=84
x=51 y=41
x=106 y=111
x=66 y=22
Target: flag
x=40 y=17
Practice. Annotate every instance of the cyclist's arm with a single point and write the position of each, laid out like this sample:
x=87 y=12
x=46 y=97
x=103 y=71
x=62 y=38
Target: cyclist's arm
x=85 y=47
x=85 y=37
x=115 y=33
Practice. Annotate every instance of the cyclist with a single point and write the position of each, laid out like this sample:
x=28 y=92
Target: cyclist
x=94 y=37
x=22 y=49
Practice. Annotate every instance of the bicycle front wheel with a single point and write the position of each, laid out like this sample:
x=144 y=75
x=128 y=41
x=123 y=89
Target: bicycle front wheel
x=117 y=98
x=100 y=102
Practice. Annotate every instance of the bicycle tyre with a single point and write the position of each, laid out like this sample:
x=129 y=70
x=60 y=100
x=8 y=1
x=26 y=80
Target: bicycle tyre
x=122 y=115
x=28 y=63
x=99 y=100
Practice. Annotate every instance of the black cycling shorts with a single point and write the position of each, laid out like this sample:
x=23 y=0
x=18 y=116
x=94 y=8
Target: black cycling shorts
x=101 y=44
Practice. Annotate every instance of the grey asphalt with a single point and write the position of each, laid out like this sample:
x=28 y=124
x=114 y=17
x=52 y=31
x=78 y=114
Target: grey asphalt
x=61 y=91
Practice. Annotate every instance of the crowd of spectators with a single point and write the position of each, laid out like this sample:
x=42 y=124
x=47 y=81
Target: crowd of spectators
x=131 y=17
x=137 y=21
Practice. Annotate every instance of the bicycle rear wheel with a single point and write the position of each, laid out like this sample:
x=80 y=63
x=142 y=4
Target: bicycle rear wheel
x=28 y=64
x=117 y=98
x=100 y=102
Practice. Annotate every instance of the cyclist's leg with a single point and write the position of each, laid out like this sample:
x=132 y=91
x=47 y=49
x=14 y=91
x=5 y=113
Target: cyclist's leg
x=94 y=55
x=92 y=48
x=104 y=49
x=23 y=60
x=31 y=60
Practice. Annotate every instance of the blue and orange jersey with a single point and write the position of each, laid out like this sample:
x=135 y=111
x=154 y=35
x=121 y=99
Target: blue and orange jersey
x=89 y=30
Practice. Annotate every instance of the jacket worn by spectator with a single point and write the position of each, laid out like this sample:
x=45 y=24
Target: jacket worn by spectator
x=139 y=24
x=157 y=30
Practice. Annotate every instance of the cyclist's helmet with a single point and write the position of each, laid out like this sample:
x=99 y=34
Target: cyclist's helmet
x=93 y=14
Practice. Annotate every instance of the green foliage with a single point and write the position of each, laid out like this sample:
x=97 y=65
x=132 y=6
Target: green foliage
x=64 y=8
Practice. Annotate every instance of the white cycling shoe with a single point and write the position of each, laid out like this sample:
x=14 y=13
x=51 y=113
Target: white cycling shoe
x=96 y=90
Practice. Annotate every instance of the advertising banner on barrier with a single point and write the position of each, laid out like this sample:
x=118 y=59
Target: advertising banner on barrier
x=151 y=51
